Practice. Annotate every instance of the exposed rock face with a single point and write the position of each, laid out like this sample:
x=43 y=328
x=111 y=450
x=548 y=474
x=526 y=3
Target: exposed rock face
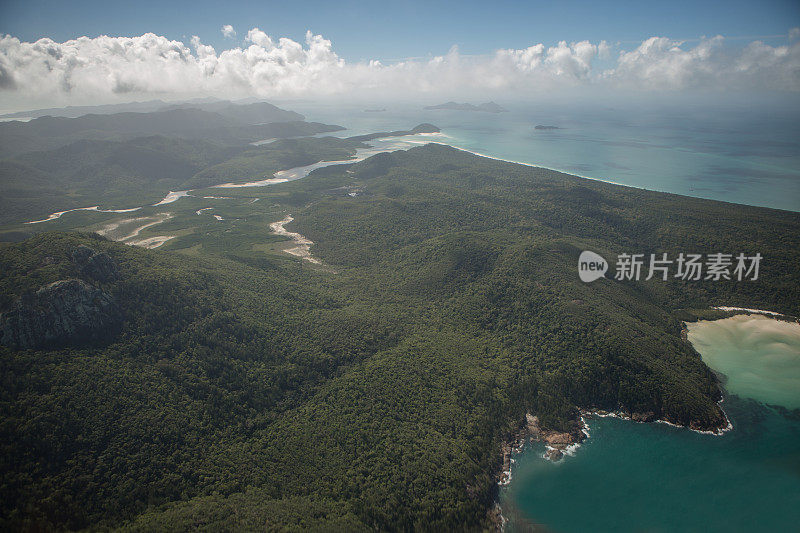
x=556 y=441
x=649 y=416
x=66 y=312
x=554 y=454
x=97 y=266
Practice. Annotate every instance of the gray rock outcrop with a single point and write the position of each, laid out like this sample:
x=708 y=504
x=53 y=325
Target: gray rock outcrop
x=97 y=266
x=64 y=313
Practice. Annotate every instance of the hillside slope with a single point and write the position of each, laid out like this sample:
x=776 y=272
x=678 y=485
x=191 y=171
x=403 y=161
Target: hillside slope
x=269 y=394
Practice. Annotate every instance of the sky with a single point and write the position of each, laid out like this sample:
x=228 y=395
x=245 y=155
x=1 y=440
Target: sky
x=92 y=51
x=389 y=31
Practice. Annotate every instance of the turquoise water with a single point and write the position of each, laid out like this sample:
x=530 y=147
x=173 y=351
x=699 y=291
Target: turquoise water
x=742 y=155
x=654 y=477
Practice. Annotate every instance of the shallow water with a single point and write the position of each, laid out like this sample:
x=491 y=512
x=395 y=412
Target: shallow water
x=653 y=477
x=758 y=356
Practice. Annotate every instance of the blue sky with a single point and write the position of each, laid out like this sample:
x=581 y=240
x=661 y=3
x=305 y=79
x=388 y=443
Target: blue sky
x=408 y=28
x=172 y=50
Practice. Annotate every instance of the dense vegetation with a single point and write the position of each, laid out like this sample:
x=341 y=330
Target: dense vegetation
x=247 y=390
x=124 y=174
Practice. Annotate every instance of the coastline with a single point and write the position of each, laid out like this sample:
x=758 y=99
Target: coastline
x=516 y=443
x=643 y=418
x=283 y=176
x=755 y=355
x=748 y=311
x=557 y=443
x=557 y=451
x=567 y=172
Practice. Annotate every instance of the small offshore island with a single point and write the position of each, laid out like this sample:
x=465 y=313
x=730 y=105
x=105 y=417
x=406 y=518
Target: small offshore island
x=487 y=107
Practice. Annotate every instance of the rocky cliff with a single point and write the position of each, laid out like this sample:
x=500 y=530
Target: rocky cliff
x=97 y=266
x=64 y=313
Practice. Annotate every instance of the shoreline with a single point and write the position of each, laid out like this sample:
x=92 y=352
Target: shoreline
x=567 y=172
x=557 y=443
x=611 y=182
x=632 y=417
x=753 y=354
x=747 y=310
x=555 y=453
x=516 y=443
x=291 y=174
x=523 y=435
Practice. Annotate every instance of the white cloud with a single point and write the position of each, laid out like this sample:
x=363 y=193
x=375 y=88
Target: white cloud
x=660 y=63
x=105 y=68
x=228 y=32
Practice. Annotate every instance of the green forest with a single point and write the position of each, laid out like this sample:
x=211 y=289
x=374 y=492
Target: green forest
x=245 y=389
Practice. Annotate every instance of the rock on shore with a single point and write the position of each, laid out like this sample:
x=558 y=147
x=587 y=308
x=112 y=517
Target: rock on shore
x=556 y=441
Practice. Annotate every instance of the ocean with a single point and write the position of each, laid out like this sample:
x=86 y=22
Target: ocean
x=741 y=154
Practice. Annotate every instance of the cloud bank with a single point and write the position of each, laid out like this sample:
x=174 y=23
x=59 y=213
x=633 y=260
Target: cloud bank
x=108 y=68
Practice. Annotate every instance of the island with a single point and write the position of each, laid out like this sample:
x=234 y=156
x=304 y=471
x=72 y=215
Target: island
x=420 y=128
x=487 y=107
x=545 y=127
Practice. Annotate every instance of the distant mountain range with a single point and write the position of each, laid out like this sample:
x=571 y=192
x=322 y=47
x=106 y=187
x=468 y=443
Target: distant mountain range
x=149 y=106
x=77 y=111
x=487 y=107
x=221 y=122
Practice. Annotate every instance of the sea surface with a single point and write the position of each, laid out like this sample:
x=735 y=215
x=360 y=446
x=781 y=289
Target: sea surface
x=742 y=154
x=654 y=477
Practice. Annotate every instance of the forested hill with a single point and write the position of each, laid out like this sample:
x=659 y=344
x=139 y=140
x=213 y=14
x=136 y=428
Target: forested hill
x=263 y=394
